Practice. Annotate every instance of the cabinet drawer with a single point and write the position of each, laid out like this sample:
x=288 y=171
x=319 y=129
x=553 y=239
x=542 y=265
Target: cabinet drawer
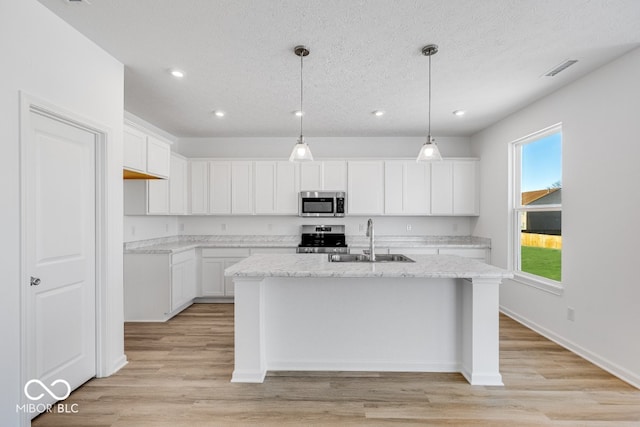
x=183 y=256
x=225 y=252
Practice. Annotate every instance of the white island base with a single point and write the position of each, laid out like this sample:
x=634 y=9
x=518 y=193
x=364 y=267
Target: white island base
x=408 y=324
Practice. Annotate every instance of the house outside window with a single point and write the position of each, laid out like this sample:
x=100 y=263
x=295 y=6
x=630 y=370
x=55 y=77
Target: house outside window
x=537 y=208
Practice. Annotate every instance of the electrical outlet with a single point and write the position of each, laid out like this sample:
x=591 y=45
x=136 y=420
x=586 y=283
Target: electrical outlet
x=223 y=227
x=270 y=227
x=133 y=230
x=571 y=314
x=361 y=227
x=166 y=227
x=182 y=227
x=408 y=227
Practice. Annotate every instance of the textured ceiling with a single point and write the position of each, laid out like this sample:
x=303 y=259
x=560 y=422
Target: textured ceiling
x=365 y=55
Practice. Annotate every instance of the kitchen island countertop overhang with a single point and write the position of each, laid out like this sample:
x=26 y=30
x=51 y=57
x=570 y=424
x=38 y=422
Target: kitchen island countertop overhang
x=302 y=312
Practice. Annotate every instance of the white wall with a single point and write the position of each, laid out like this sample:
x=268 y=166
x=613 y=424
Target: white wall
x=322 y=148
x=600 y=215
x=137 y=227
x=46 y=58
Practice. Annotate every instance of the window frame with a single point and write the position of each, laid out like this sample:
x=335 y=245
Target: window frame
x=516 y=209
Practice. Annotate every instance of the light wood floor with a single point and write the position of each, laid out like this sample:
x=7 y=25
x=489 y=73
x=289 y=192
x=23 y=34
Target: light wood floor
x=178 y=375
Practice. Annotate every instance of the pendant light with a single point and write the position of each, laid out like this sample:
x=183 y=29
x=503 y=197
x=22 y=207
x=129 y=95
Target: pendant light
x=429 y=151
x=301 y=151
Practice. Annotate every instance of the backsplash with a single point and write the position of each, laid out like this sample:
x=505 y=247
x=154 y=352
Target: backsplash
x=151 y=227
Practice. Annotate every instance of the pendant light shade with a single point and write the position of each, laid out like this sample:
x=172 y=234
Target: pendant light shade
x=429 y=151
x=301 y=151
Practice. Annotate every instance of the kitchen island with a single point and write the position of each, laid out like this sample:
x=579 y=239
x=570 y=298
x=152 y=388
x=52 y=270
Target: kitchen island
x=302 y=312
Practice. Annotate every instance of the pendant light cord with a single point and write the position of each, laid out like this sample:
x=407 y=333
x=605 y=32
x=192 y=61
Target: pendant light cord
x=429 y=116
x=301 y=93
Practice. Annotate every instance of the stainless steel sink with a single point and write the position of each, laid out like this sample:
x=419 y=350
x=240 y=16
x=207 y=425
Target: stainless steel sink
x=365 y=258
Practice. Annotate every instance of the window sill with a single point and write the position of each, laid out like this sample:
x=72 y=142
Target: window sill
x=549 y=286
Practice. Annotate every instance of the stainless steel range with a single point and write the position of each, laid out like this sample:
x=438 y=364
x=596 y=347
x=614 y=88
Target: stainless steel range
x=323 y=239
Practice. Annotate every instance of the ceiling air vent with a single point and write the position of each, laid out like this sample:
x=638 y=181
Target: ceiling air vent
x=566 y=64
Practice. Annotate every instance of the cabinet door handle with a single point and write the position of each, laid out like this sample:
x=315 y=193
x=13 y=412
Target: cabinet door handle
x=35 y=281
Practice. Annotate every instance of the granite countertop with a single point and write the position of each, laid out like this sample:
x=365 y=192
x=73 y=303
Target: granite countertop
x=176 y=244
x=318 y=265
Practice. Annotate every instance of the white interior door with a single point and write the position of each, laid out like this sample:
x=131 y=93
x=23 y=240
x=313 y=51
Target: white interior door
x=60 y=234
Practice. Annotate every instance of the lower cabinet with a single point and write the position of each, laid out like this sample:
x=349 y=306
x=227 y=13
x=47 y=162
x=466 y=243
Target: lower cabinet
x=158 y=286
x=213 y=283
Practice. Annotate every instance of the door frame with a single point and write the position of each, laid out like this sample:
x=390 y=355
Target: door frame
x=30 y=104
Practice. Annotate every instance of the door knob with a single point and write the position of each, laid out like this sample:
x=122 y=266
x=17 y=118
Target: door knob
x=35 y=281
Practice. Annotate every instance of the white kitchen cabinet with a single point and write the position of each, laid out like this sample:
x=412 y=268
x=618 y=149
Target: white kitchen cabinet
x=146 y=197
x=158 y=157
x=465 y=188
x=275 y=188
x=183 y=279
x=158 y=196
x=334 y=175
x=265 y=188
x=134 y=156
x=144 y=155
x=330 y=175
x=214 y=284
x=198 y=187
x=158 y=286
x=442 y=188
x=365 y=194
x=242 y=187
x=178 y=185
x=219 y=185
x=407 y=188
x=311 y=176
x=454 y=187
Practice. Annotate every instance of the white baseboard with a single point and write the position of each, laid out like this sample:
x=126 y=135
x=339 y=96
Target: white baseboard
x=614 y=369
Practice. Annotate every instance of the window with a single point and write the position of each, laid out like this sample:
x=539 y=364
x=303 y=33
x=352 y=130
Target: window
x=537 y=208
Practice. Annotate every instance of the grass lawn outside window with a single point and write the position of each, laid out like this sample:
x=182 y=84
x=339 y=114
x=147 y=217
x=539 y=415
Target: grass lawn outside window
x=542 y=262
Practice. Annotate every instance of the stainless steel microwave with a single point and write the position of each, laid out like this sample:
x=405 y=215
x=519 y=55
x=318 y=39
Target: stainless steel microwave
x=321 y=203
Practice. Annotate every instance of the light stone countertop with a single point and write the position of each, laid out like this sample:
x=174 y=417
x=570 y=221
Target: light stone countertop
x=318 y=265
x=177 y=244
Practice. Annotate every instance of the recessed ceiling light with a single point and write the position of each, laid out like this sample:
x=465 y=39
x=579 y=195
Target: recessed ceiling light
x=219 y=113
x=177 y=73
x=378 y=113
x=459 y=113
x=298 y=113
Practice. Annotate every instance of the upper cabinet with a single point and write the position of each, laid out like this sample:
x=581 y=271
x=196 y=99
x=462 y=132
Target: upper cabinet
x=454 y=188
x=276 y=188
x=178 y=185
x=365 y=193
x=330 y=175
x=144 y=156
x=271 y=187
x=407 y=186
x=159 y=196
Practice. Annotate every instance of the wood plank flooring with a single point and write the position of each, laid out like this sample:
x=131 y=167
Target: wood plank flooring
x=178 y=375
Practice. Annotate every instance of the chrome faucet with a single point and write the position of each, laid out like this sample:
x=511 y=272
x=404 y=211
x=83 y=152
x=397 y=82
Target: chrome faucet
x=372 y=254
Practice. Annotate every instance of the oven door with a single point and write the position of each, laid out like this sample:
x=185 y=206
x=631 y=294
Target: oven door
x=316 y=206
